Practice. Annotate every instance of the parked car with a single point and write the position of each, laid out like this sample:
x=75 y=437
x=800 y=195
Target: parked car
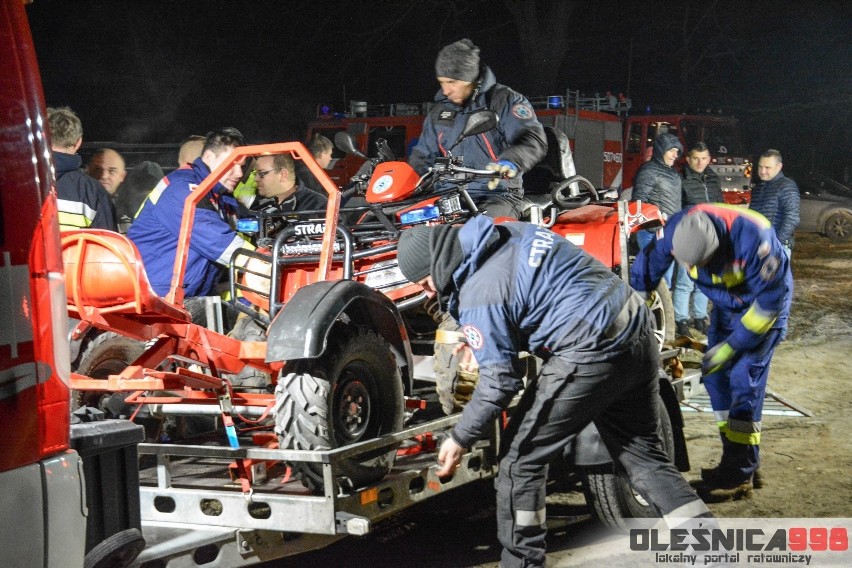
x=826 y=206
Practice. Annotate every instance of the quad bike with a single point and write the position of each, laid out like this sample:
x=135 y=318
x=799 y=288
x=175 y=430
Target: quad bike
x=336 y=313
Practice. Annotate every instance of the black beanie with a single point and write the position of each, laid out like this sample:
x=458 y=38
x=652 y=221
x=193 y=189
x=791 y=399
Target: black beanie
x=459 y=60
x=414 y=253
x=695 y=239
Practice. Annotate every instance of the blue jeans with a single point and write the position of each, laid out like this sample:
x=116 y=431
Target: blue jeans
x=684 y=286
x=645 y=237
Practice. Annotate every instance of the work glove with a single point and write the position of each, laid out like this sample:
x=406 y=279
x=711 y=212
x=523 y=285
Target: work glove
x=716 y=357
x=505 y=168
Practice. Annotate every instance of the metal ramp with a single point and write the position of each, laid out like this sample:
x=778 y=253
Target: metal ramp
x=773 y=404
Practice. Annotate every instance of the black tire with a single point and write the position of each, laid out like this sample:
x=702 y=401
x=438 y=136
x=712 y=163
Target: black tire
x=838 y=227
x=357 y=376
x=117 y=551
x=107 y=354
x=609 y=494
x=662 y=309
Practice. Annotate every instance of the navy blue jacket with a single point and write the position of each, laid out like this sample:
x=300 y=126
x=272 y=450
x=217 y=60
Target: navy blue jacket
x=749 y=276
x=533 y=291
x=778 y=200
x=82 y=201
x=518 y=137
x=156 y=229
x=657 y=183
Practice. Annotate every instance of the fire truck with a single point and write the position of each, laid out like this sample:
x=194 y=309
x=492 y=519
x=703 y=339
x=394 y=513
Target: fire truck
x=42 y=501
x=608 y=143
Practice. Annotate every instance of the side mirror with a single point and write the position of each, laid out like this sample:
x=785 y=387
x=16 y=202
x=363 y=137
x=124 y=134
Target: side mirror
x=344 y=142
x=478 y=122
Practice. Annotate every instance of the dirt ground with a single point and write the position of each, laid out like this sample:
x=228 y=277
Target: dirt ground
x=806 y=461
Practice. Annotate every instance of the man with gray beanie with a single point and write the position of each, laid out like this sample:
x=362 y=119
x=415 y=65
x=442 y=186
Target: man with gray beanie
x=518 y=287
x=735 y=258
x=514 y=146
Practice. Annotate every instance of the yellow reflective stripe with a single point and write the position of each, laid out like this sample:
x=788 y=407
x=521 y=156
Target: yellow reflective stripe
x=743 y=432
x=693 y=272
x=158 y=190
x=72 y=221
x=747 y=439
x=757 y=320
x=236 y=243
x=723 y=425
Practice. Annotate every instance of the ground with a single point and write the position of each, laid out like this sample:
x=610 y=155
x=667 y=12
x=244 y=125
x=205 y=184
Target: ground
x=806 y=460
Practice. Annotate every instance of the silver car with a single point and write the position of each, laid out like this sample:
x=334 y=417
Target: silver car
x=826 y=206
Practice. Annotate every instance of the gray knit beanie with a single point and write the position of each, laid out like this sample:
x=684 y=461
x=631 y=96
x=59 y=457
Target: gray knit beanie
x=695 y=239
x=415 y=253
x=459 y=60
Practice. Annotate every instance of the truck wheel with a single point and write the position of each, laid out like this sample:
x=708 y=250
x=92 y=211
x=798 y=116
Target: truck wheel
x=662 y=310
x=117 y=551
x=108 y=354
x=838 y=227
x=352 y=393
x=608 y=491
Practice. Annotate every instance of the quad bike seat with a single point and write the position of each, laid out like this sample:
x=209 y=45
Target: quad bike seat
x=104 y=275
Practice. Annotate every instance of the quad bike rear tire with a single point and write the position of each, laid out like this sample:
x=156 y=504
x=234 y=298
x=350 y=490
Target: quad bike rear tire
x=107 y=354
x=609 y=493
x=352 y=393
x=662 y=309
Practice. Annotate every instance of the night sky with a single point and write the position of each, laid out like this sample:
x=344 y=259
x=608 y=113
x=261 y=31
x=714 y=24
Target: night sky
x=157 y=71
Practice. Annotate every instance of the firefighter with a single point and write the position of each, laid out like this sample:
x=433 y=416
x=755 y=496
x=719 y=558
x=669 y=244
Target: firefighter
x=518 y=287
x=82 y=201
x=516 y=144
x=157 y=226
x=735 y=258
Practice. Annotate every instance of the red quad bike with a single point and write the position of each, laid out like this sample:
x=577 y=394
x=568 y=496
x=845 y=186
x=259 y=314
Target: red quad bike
x=342 y=331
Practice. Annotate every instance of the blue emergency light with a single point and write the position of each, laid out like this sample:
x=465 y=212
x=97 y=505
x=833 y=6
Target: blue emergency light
x=248 y=225
x=421 y=215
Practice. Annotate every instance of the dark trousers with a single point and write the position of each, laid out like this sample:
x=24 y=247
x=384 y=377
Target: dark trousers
x=619 y=396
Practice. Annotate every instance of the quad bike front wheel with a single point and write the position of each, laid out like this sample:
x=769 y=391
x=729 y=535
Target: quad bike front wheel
x=352 y=393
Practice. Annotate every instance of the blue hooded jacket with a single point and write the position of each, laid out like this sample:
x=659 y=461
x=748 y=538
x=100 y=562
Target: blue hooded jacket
x=533 y=291
x=657 y=183
x=518 y=137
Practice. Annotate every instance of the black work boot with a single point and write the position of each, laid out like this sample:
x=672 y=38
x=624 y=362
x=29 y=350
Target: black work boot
x=682 y=328
x=701 y=325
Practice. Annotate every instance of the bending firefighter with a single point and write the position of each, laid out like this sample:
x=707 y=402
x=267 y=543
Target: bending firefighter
x=518 y=287
x=735 y=258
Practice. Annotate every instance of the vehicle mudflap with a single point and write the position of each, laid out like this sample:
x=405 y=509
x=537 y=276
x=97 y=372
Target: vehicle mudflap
x=300 y=330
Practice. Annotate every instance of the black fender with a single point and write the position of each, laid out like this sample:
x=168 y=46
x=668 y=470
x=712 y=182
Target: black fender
x=300 y=330
x=588 y=448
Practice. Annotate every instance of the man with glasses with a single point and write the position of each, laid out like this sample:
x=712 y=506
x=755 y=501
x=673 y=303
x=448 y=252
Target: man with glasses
x=279 y=190
x=156 y=229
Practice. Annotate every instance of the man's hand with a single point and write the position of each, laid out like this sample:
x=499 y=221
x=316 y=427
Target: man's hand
x=449 y=457
x=716 y=357
x=505 y=168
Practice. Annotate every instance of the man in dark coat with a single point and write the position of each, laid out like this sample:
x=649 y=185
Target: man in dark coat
x=518 y=287
x=82 y=201
x=658 y=183
x=514 y=146
x=700 y=185
x=777 y=198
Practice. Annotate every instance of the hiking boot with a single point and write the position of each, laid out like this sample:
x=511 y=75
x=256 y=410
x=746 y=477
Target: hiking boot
x=707 y=473
x=682 y=328
x=713 y=492
x=701 y=325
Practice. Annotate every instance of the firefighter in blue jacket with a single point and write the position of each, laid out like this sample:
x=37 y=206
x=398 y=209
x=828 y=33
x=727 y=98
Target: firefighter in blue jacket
x=735 y=258
x=518 y=287
x=514 y=146
x=156 y=229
